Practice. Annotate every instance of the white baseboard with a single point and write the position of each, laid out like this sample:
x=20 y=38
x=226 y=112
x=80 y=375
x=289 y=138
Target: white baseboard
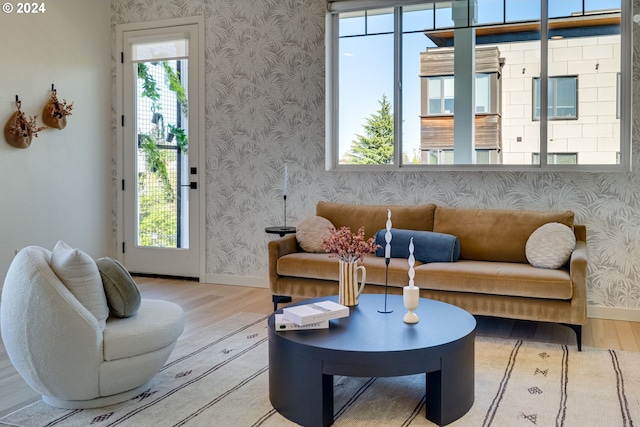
x=613 y=313
x=222 y=279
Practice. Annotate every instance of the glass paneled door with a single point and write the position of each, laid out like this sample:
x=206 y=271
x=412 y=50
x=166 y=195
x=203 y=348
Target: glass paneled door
x=161 y=214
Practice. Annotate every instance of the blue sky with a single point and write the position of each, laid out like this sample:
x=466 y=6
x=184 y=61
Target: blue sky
x=366 y=63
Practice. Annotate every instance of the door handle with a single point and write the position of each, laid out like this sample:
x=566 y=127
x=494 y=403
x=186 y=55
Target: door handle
x=191 y=185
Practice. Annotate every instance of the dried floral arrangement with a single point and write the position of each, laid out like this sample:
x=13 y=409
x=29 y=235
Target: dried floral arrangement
x=347 y=246
x=55 y=112
x=19 y=130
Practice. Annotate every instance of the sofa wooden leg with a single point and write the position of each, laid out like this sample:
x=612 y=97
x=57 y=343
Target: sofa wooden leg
x=578 y=330
x=278 y=299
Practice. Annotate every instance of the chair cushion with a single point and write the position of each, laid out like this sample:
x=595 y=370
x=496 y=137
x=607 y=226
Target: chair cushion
x=428 y=245
x=550 y=246
x=311 y=231
x=156 y=325
x=120 y=289
x=79 y=273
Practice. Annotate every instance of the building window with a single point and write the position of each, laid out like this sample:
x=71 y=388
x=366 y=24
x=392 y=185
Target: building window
x=478 y=101
x=445 y=157
x=440 y=94
x=557 y=158
x=562 y=98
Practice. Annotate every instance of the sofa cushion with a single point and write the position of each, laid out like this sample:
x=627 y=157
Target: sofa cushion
x=494 y=235
x=495 y=278
x=311 y=231
x=79 y=273
x=428 y=245
x=374 y=217
x=120 y=289
x=480 y=277
x=550 y=246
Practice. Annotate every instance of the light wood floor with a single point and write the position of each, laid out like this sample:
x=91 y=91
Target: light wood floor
x=206 y=304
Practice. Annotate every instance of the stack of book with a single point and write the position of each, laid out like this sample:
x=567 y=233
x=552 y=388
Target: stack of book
x=310 y=316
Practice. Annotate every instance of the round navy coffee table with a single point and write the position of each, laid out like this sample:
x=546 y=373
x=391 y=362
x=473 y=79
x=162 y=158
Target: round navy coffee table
x=371 y=344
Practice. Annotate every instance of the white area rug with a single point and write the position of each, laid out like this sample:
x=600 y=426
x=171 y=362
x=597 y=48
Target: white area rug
x=220 y=378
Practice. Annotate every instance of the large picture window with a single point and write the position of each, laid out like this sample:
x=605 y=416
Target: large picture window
x=458 y=83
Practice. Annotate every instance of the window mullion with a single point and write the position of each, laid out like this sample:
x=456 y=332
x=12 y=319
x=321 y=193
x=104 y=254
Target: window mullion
x=332 y=93
x=544 y=81
x=397 y=87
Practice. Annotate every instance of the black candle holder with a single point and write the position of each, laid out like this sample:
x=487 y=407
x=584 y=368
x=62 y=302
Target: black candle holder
x=386 y=280
x=285 y=229
x=282 y=229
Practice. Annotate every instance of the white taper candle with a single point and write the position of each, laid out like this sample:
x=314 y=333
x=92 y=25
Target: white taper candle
x=412 y=260
x=387 y=236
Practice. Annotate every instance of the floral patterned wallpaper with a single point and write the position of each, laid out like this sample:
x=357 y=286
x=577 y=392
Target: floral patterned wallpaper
x=265 y=107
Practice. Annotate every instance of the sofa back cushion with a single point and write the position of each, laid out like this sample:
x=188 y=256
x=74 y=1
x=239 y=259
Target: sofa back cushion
x=374 y=217
x=494 y=235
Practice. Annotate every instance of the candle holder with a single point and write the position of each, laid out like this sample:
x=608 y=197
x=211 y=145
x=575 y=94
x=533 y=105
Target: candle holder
x=386 y=279
x=410 y=298
x=283 y=229
x=387 y=259
x=285 y=211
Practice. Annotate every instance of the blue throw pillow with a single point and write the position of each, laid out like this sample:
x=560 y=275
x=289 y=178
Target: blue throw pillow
x=428 y=246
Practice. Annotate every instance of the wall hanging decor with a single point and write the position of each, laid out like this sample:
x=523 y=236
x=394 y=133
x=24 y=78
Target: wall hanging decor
x=19 y=130
x=55 y=112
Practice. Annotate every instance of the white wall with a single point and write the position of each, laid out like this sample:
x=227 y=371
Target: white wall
x=61 y=186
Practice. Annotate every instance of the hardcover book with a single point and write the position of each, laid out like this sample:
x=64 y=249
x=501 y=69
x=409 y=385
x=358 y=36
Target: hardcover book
x=282 y=324
x=315 y=312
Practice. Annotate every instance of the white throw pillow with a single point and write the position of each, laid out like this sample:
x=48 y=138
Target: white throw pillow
x=311 y=232
x=550 y=246
x=80 y=274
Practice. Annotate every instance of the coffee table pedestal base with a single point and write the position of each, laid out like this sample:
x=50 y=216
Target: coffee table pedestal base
x=302 y=393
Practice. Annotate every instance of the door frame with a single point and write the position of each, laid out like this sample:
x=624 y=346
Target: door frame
x=119 y=129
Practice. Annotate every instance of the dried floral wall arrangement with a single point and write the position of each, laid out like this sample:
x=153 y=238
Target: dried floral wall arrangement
x=55 y=112
x=19 y=130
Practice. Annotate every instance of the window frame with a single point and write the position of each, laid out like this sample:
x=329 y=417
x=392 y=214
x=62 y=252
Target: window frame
x=332 y=95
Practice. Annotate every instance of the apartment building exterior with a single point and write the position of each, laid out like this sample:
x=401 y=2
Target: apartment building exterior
x=583 y=93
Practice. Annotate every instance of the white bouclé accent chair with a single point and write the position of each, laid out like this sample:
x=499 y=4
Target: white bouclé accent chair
x=60 y=349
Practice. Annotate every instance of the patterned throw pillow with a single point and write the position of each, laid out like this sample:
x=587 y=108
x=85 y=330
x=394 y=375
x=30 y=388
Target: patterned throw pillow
x=311 y=232
x=550 y=246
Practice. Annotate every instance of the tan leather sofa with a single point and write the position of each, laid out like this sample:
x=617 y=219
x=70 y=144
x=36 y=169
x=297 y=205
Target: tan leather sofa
x=492 y=276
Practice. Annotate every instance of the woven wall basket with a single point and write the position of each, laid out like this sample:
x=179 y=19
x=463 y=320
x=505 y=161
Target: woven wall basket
x=52 y=120
x=18 y=141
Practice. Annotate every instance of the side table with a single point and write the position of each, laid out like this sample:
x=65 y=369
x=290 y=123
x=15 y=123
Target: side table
x=280 y=230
